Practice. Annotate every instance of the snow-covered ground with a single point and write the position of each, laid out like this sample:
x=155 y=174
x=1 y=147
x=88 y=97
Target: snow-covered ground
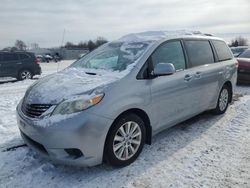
x=206 y=151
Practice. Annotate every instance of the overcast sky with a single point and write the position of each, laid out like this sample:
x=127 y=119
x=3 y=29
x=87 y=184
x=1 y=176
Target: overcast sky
x=43 y=21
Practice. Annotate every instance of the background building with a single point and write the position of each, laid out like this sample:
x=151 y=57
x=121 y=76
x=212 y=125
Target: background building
x=64 y=53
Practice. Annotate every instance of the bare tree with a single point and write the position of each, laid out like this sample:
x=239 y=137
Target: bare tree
x=34 y=45
x=6 y=49
x=10 y=49
x=100 y=41
x=20 y=45
x=91 y=45
x=69 y=45
x=239 y=41
x=82 y=45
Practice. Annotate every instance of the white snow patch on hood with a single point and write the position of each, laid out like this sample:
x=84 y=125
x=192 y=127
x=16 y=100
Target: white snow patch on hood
x=63 y=85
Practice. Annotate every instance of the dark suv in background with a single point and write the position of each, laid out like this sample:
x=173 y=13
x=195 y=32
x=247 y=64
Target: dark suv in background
x=20 y=65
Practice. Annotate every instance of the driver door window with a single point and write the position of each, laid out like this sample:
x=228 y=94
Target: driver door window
x=170 y=52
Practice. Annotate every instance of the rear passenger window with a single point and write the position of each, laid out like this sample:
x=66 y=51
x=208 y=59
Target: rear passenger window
x=23 y=56
x=222 y=50
x=10 y=57
x=199 y=52
x=170 y=52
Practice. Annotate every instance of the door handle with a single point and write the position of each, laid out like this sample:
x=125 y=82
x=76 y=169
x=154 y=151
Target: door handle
x=197 y=75
x=187 y=77
x=221 y=72
x=19 y=63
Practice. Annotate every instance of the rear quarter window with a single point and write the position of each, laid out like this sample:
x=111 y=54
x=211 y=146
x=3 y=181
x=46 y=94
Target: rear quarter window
x=10 y=57
x=245 y=54
x=222 y=50
x=199 y=52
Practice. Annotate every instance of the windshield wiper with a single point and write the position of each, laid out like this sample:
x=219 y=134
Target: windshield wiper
x=90 y=73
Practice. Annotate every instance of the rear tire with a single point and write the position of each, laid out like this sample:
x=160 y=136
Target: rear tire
x=24 y=74
x=125 y=140
x=223 y=100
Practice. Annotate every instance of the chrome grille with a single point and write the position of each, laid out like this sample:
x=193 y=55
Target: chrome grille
x=35 y=110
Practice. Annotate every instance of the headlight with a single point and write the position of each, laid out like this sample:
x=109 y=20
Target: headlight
x=77 y=104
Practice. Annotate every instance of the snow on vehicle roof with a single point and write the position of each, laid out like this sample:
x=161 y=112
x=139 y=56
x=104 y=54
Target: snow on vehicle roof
x=159 y=35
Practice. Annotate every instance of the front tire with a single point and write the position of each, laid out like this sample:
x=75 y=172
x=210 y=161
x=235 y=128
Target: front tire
x=125 y=140
x=223 y=100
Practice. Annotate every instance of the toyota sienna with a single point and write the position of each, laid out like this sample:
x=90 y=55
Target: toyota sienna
x=109 y=103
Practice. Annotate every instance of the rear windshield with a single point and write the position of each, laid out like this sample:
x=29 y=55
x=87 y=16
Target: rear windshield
x=245 y=54
x=222 y=50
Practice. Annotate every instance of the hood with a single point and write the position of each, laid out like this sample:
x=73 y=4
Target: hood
x=54 y=88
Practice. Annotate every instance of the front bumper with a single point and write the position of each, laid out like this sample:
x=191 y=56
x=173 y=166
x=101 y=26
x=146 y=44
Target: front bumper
x=52 y=137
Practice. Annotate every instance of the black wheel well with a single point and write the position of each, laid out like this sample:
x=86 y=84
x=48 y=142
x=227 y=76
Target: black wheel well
x=229 y=85
x=143 y=115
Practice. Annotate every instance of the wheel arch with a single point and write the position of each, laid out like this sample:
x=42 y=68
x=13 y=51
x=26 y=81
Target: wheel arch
x=143 y=115
x=230 y=86
x=23 y=69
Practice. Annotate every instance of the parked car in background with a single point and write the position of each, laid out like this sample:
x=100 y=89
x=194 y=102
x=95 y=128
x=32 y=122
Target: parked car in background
x=244 y=67
x=56 y=58
x=48 y=58
x=109 y=103
x=238 y=50
x=41 y=58
x=20 y=65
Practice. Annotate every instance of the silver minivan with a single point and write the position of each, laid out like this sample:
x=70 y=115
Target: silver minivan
x=109 y=103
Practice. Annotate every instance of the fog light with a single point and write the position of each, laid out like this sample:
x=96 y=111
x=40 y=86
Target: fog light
x=74 y=153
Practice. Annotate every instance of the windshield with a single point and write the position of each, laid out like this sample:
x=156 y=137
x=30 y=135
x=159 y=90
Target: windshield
x=115 y=56
x=245 y=54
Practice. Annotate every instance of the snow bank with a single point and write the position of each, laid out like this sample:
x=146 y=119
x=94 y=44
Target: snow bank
x=206 y=151
x=11 y=92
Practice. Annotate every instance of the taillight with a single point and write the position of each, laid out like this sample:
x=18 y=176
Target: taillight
x=37 y=61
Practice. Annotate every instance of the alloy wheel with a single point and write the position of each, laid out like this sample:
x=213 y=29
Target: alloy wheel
x=127 y=140
x=223 y=100
x=25 y=75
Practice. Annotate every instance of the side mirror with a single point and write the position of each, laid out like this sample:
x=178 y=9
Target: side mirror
x=163 y=69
